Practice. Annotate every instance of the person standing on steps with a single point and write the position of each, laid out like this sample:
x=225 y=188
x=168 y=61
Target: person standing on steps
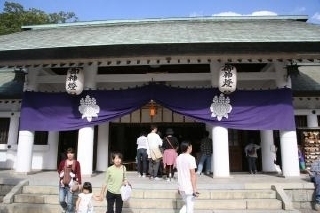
x=153 y=141
x=115 y=177
x=170 y=145
x=314 y=173
x=251 y=154
x=69 y=166
x=206 y=153
x=187 y=179
x=142 y=156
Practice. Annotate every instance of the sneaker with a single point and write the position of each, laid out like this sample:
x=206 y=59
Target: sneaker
x=144 y=176
x=198 y=173
x=317 y=206
x=157 y=178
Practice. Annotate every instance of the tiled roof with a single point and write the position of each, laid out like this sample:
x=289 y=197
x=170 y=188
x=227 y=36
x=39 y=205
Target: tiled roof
x=11 y=84
x=163 y=31
x=308 y=81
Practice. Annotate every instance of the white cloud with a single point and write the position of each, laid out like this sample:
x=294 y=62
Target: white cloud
x=196 y=14
x=255 y=13
x=227 y=14
x=263 y=13
x=315 y=18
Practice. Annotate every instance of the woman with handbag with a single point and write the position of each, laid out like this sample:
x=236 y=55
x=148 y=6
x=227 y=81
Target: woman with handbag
x=170 y=145
x=154 y=154
x=69 y=172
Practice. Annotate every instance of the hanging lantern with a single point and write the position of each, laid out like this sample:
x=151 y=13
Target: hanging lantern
x=227 y=79
x=152 y=108
x=74 y=81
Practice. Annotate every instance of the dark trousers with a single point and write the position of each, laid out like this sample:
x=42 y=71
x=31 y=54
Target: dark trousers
x=142 y=158
x=154 y=167
x=111 y=199
x=252 y=164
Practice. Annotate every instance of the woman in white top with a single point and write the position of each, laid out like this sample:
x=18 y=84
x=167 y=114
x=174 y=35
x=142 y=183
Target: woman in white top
x=142 y=155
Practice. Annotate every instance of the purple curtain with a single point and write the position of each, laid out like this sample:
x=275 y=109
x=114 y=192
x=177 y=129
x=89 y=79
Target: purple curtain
x=251 y=110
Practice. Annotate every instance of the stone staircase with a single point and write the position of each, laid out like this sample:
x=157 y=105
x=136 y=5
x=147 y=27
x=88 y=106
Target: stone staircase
x=40 y=199
x=4 y=189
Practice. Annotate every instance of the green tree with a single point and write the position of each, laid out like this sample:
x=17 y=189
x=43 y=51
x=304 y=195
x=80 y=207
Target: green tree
x=14 y=16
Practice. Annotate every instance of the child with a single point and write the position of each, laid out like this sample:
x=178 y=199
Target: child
x=84 y=204
x=115 y=178
x=70 y=184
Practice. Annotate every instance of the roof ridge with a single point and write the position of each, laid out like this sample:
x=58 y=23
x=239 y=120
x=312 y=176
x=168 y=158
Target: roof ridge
x=155 y=20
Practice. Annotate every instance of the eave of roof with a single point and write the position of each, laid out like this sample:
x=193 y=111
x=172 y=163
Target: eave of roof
x=221 y=49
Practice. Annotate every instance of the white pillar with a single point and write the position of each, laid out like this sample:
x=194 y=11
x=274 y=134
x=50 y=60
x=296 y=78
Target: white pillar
x=31 y=83
x=13 y=129
x=50 y=161
x=267 y=151
x=103 y=147
x=26 y=138
x=220 y=152
x=288 y=139
x=220 y=145
x=214 y=69
x=86 y=134
x=12 y=140
x=90 y=72
x=24 y=154
x=312 y=120
x=85 y=150
x=282 y=80
x=289 y=153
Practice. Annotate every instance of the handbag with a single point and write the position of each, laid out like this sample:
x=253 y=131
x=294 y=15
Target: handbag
x=155 y=153
x=125 y=190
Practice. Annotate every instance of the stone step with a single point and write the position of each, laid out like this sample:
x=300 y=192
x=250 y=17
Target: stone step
x=45 y=199
x=143 y=193
x=38 y=195
x=40 y=208
x=152 y=203
x=254 y=211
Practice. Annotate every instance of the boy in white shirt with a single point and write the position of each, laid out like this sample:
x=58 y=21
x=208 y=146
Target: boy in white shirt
x=186 y=166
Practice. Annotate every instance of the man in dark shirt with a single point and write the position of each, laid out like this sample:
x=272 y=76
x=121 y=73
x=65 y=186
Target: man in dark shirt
x=206 y=154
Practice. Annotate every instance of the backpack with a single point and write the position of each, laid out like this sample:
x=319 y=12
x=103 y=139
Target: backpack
x=252 y=151
x=67 y=169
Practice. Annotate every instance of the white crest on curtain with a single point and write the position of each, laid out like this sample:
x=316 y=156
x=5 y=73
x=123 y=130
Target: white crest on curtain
x=89 y=108
x=220 y=107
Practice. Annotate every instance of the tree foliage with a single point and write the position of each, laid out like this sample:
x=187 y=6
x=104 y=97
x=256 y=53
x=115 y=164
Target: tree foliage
x=14 y=16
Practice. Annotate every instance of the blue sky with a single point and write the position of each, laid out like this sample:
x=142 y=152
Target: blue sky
x=90 y=10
